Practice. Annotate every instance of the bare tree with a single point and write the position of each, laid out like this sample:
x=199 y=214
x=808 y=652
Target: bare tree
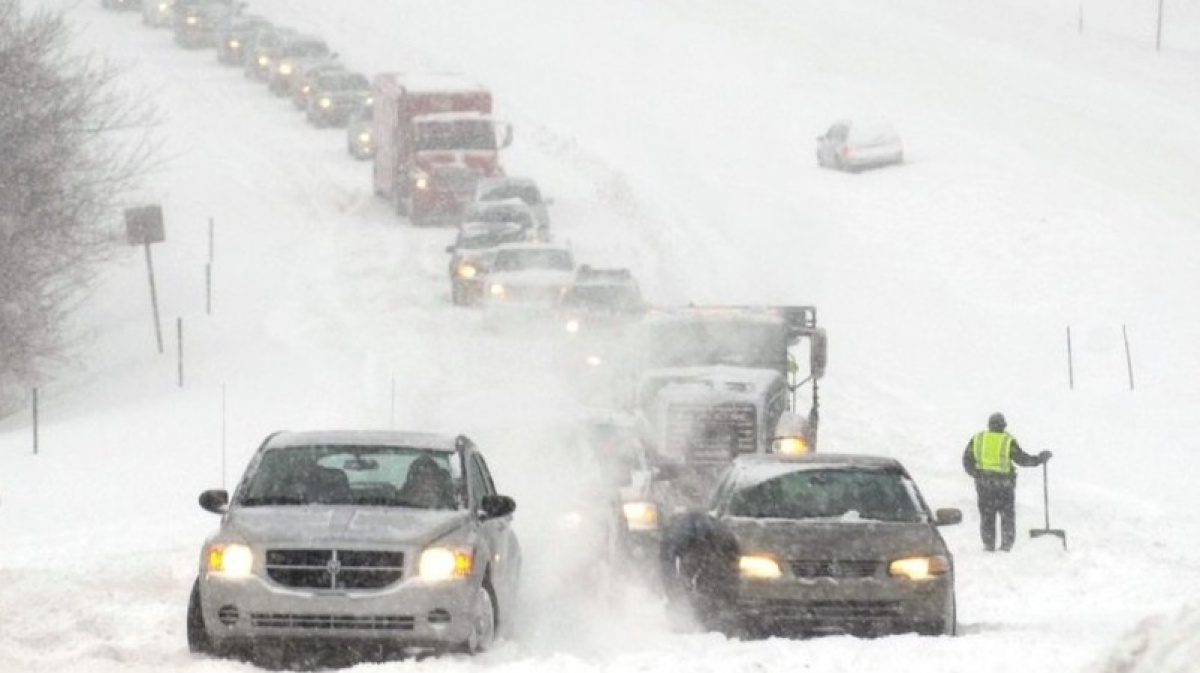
x=72 y=142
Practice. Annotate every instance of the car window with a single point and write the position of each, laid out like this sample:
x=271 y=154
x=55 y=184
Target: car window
x=353 y=475
x=527 y=193
x=478 y=483
x=521 y=260
x=845 y=494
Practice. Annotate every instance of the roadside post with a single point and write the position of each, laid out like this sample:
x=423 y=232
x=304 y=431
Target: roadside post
x=144 y=226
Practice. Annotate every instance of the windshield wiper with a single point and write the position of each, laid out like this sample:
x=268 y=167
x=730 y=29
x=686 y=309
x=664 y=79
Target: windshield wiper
x=273 y=500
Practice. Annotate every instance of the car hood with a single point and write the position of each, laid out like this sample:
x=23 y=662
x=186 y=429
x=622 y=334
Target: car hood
x=338 y=524
x=842 y=539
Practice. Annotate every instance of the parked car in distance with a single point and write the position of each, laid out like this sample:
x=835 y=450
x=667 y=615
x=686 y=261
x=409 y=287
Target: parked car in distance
x=852 y=146
x=386 y=539
x=503 y=188
x=195 y=22
x=528 y=276
x=303 y=78
x=472 y=253
x=260 y=48
x=158 y=13
x=233 y=37
x=508 y=210
x=814 y=543
x=360 y=138
x=335 y=95
x=292 y=56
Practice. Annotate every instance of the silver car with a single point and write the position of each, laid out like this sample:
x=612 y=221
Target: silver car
x=852 y=146
x=811 y=544
x=382 y=539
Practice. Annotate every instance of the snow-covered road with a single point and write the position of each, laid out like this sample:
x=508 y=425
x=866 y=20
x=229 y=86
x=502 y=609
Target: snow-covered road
x=1051 y=183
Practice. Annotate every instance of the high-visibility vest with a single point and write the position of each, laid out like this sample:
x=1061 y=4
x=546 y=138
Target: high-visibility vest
x=993 y=452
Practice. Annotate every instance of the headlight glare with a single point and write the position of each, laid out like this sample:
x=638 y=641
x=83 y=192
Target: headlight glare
x=467 y=271
x=324 y=103
x=285 y=68
x=364 y=138
x=791 y=445
x=496 y=290
x=640 y=515
x=439 y=563
x=759 y=566
x=572 y=326
x=234 y=44
x=919 y=568
x=233 y=560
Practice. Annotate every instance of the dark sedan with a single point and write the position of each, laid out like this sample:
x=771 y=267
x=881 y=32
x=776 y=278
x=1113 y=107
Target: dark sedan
x=813 y=544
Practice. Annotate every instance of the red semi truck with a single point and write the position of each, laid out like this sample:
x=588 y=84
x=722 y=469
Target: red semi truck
x=435 y=137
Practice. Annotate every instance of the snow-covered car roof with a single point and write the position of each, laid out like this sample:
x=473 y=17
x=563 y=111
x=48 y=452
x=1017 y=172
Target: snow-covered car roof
x=430 y=441
x=697 y=313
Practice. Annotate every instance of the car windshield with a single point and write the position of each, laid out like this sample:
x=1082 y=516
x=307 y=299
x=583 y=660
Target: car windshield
x=527 y=193
x=354 y=475
x=704 y=343
x=533 y=260
x=304 y=49
x=601 y=297
x=843 y=494
x=342 y=81
x=490 y=236
x=465 y=134
x=514 y=215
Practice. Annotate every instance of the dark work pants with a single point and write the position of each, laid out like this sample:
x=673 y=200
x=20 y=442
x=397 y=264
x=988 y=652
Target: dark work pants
x=996 y=499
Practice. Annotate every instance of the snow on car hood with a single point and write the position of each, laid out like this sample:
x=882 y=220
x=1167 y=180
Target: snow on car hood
x=339 y=524
x=848 y=538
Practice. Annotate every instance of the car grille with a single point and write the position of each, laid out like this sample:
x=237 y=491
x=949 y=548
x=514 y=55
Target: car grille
x=712 y=434
x=835 y=569
x=279 y=620
x=834 y=611
x=334 y=568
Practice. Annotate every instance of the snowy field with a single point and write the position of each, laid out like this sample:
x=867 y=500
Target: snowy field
x=1052 y=182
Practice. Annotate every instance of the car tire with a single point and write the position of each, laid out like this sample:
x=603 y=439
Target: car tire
x=483 y=621
x=198 y=639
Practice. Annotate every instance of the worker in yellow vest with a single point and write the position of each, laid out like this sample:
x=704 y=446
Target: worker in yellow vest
x=989 y=458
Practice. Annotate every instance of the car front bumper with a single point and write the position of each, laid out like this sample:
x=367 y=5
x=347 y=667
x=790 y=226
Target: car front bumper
x=409 y=613
x=872 y=606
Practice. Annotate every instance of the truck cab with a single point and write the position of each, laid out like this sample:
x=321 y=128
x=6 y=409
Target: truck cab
x=434 y=139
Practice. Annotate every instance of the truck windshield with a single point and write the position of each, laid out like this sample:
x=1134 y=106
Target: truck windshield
x=689 y=343
x=472 y=134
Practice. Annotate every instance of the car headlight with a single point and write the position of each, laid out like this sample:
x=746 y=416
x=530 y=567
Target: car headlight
x=263 y=61
x=324 y=103
x=759 y=566
x=162 y=6
x=305 y=89
x=285 y=68
x=790 y=446
x=230 y=560
x=421 y=181
x=467 y=271
x=440 y=563
x=364 y=138
x=593 y=360
x=191 y=20
x=640 y=515
x=496 y=290
x=919 y=568
x=572 y=326
x=234 y=44
x=370 y=100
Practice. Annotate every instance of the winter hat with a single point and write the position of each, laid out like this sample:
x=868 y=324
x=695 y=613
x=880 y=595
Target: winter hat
x=996 y=422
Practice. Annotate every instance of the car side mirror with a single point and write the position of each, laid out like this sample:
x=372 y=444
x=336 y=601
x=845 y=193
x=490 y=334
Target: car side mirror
x=496 y=506
x=215 y=501
x=947 y=517
x=506 y=138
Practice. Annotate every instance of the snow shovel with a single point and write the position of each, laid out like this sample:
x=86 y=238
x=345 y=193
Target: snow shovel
x=1056 y=532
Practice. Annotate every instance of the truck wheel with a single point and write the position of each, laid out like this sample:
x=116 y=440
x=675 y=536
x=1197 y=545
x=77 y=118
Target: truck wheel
x=197 y=634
